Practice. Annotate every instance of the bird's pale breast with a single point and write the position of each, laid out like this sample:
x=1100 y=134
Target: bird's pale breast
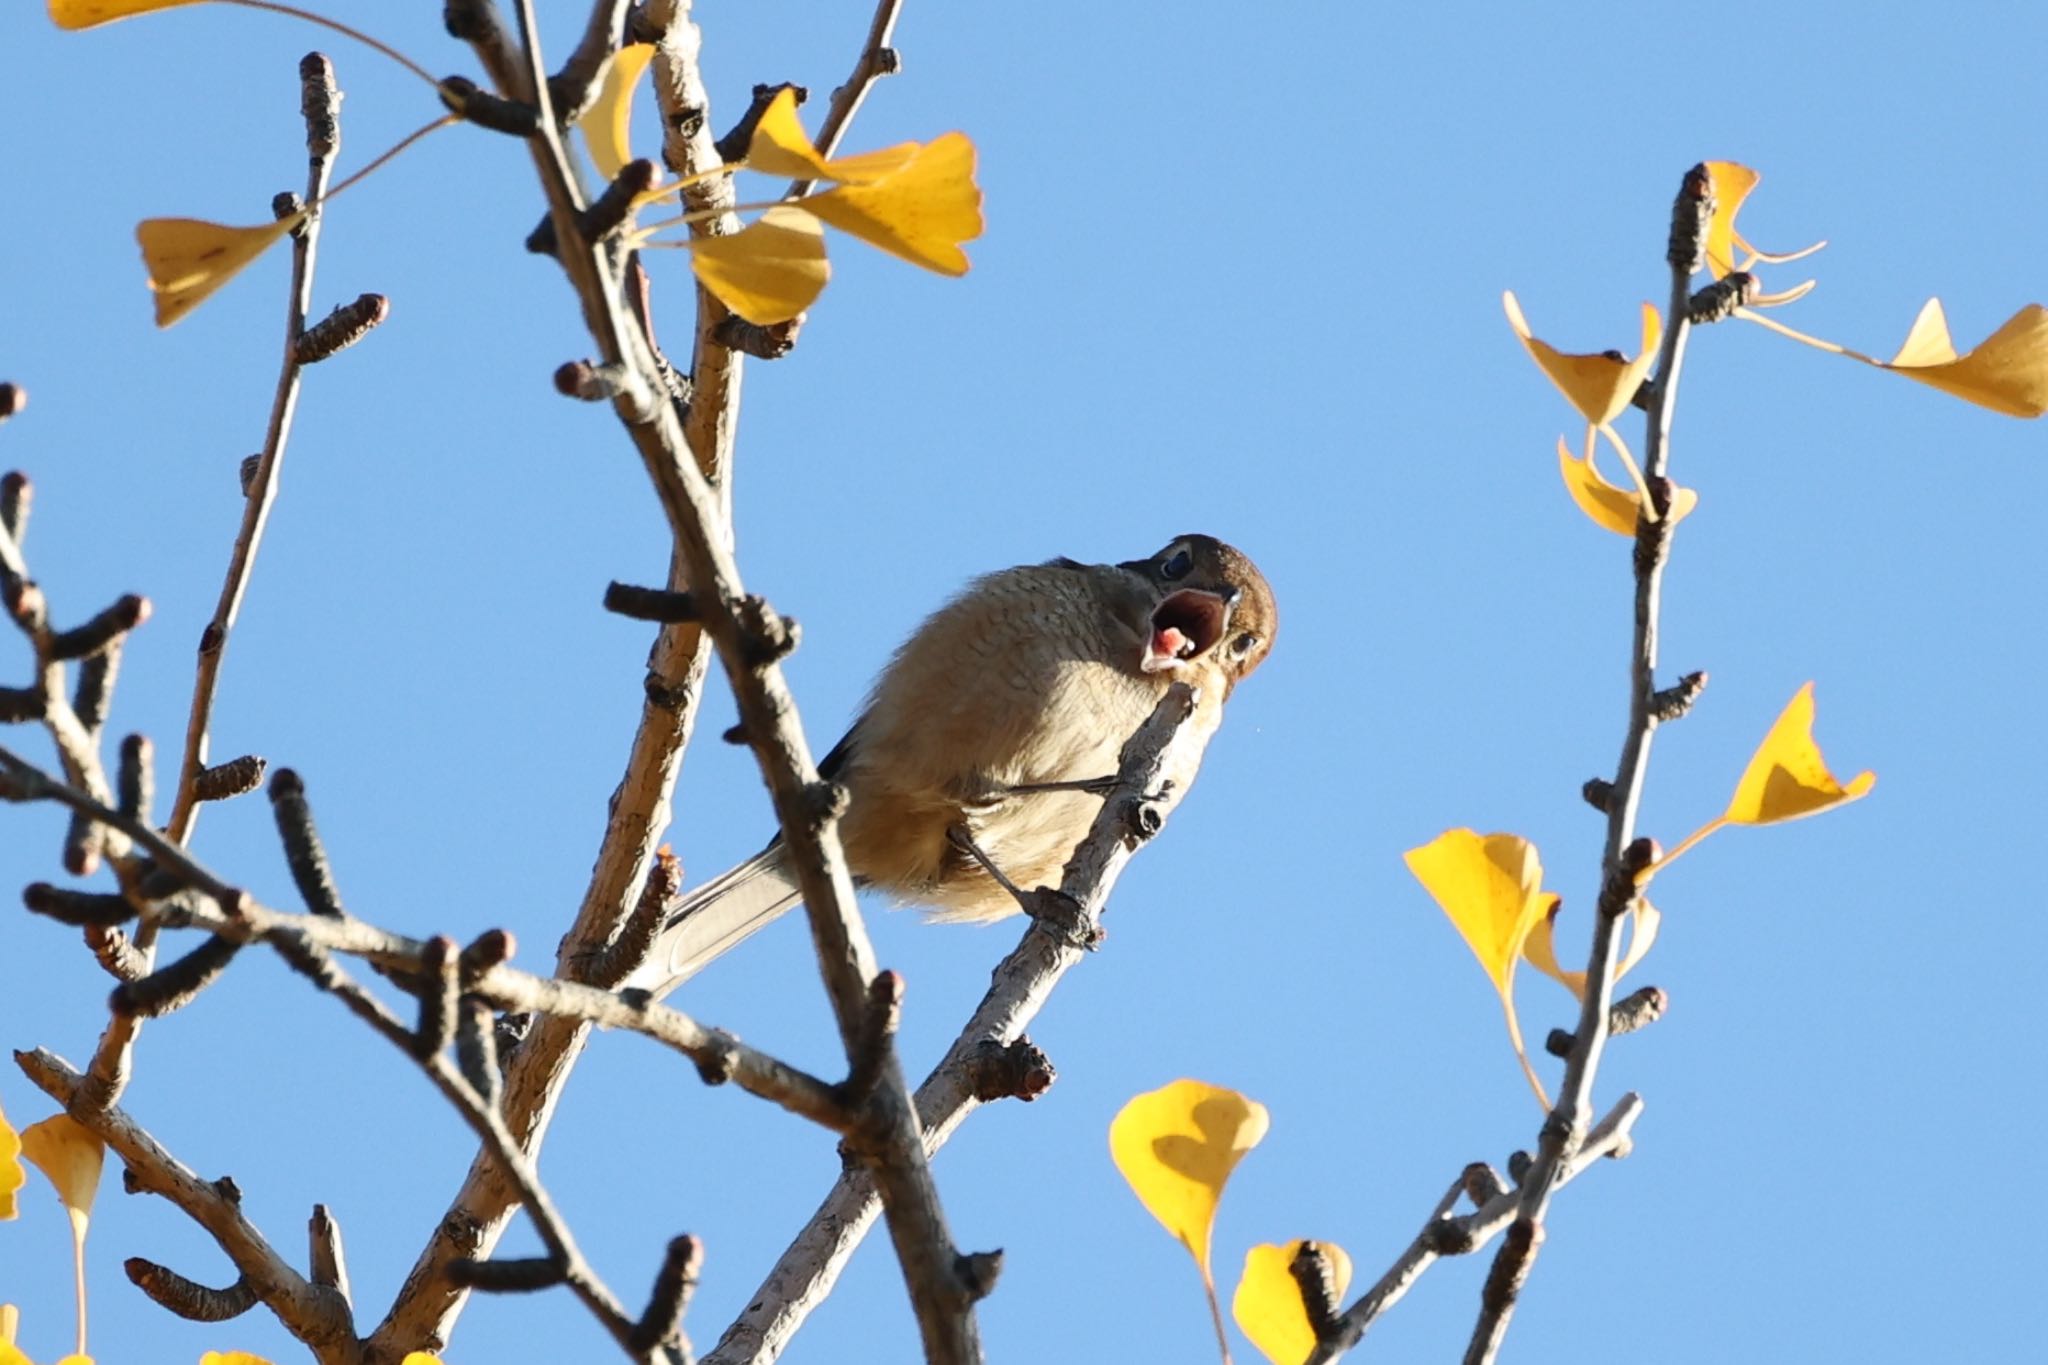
x=1030 y=676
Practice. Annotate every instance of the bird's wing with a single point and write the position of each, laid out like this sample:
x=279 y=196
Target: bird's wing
x=716 y=918
x=832 y=766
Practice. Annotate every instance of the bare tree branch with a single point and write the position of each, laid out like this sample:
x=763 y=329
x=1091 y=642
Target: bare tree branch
x=750 y=637
x=232 y=914
x=1565 y=1131
x=315 y=1315
x=1023 y=981
x=320 y=104
x=1443 y=1235
x=640 y=810
x=318 y=966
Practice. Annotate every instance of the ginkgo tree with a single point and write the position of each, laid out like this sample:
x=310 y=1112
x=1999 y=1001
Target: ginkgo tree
x=754 y=213
x=1178 y=1146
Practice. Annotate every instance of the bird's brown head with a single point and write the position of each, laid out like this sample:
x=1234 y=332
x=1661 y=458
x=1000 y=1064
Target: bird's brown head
x=1215 y=609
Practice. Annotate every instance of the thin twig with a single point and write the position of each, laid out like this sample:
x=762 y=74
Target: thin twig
x=877 y=59
x=573 y=87
x=46 y=699
x=316 y=1316
x=235 y=915
x=1565 y=1130
x=37 y=785
x=321 y=103
x=1443 y=1235
x=319 y=967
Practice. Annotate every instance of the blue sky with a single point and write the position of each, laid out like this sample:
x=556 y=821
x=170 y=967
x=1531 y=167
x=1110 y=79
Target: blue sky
x=1241 y=275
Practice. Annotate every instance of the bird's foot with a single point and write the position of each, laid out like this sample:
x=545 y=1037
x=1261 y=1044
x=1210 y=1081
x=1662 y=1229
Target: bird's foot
x=958 y=837
x=1051 y=909
x=1061 y=917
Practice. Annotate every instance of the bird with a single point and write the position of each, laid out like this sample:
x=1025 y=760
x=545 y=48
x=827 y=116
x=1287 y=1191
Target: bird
x=991 y=737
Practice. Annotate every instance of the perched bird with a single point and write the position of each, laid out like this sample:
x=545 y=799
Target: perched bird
x=984 y=732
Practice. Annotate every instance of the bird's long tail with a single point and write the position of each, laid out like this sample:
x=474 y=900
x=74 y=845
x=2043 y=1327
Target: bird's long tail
x=717 y=917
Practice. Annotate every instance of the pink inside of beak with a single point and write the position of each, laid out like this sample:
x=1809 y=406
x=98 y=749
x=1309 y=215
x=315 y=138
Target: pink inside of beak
x=1164 y=649
x=1185 y=625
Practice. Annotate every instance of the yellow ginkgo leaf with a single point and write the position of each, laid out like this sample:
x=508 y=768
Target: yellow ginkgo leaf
x=1787 y=778
x=67 y=1152
x=1177 y=1146
x=607 y=123
x=780 y=146
x=1267 y=1305
x=1600 y=385
x=768 y=271
x=2007 y=372
x=1491 y=886
x=71 y=1156
x=12 y=1177
x=77 y=14
x=10 y=1354
x=234 y=1358
x=1646 y=919
x=1609 y=506
x=188 y=258
x=1731 y=185
x=1540 y=950
x=922 y=211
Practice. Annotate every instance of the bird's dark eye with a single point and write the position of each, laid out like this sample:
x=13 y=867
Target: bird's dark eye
x=1242 y=645
x=1177 y=564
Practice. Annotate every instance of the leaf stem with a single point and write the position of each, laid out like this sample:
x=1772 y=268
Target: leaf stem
x=414 y=136
x=1522 y=1052
x=78 y=1275
x=1648 y=510
x=293 y=12
x=681 y=183
x=1215 y=1313
x=1717 y=823
x=703 y=215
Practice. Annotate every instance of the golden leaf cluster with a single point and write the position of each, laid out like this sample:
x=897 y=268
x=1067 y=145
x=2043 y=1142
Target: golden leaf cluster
x=1490 y=886
x=1177 y=1147
x=917 y=200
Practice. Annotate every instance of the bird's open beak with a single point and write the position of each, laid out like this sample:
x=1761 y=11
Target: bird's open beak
x=1186 y=626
